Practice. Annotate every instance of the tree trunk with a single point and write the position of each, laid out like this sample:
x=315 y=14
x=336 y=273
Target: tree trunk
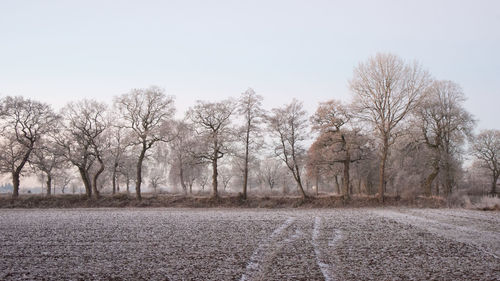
x=365 y=185
x=299 y=182
x=317 y=181
x=139 y=172
x=448 y=181
x=245 y=174
x=15 y=183
x=337 y=185
x=285 y=191
x=383 y=161
x=114 y=178
x=181 y=177
x=346 y=179
x=494 y=184
x=214 y=176
x=96 y=176
x=127 y=182
x=429 y=180
x=17 y=172
x=86 y=181
x=49 y=183
x=359 y=186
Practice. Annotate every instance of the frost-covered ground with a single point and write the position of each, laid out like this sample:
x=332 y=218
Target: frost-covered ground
x=236 y=244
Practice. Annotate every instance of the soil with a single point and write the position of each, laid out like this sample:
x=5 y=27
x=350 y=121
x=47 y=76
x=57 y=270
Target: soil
x=249 y=244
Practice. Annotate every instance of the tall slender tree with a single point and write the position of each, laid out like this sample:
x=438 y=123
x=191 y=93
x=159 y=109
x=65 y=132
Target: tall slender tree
x=288 y=126
x=250 y=107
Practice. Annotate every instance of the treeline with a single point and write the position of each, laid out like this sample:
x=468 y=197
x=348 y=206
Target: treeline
x=402 y=132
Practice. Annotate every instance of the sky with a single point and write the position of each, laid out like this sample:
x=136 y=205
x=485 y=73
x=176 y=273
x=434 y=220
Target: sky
x=61 y=51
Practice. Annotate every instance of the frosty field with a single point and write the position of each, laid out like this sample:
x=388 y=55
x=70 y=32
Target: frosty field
x=253 y=244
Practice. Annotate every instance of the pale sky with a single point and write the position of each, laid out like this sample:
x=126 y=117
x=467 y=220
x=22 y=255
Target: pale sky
x=58 y=51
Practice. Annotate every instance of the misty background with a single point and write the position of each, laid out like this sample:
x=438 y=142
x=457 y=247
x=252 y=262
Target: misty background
x=61 y=51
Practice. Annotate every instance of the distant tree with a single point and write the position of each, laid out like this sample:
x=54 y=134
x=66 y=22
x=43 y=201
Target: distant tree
x=203 y=177
x=478 y=178
x=82 y=139
x=269 y=172
x=184 y=166
x=226 y=175
x=211 y=121
x=445 y=124
x=486 y=148
x=386 y=90
x=250 y=107
x=192 y=175
x=47 y=158
x=23 y=122
x=145 y=113
x=126 y=170
x=193 y=172
x=64 y=178
x=288 y=126
x=156 y=177
x=119 y=144
x=157 y=166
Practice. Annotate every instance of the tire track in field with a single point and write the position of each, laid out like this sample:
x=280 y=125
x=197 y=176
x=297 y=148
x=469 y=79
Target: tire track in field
x=263 y=253
x=486 y=241
x=326 y=268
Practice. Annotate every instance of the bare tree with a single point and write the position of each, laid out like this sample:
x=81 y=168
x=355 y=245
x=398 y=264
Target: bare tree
x=146 y=113
x=486 y=148
x=212 y=122
x=83 y=141
x=203 y=178
x=250 y=107
x=226 y=175
x=47 y=157
x=337 y=143
x=23 y=123
x=183 y=164
x=386 y=90
x=444 y=123
x=269 y=172
x=157 y=166
x=118 y=144
x=157 y=176
x=64 y=178
x=126 y=169
x=193 y=174
x=193 y=171
x=288 y=125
